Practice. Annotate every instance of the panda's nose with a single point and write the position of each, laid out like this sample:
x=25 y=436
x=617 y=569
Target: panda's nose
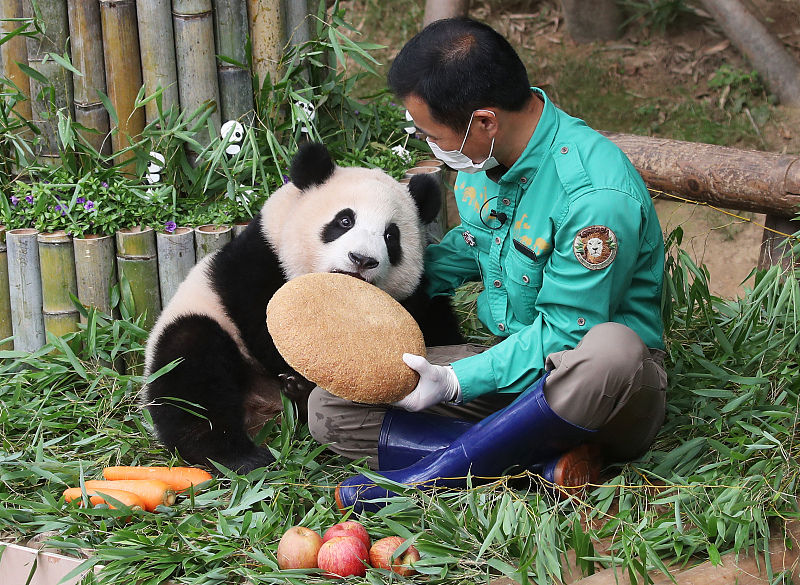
x=365 y=262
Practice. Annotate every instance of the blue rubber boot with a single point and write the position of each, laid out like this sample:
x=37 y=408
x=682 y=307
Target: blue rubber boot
x=406 y=437
x=524 y=433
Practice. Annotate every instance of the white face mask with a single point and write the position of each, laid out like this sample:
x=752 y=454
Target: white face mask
x=457 y=160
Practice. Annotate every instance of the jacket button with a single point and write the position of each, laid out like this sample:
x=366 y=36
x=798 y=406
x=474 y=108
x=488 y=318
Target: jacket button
x=581 y=321
x=501 y=327
x=497 y=283
x=564 y=150
x=523 y=180
x=497 y=240
x=506 y=201
x=525 y=279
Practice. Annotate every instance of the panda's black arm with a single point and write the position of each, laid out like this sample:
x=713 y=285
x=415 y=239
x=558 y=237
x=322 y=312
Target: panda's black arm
x=435 y=317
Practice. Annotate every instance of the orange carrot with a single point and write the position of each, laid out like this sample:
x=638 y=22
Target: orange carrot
x=178 y=478
x=153 y=492
x=128 y=498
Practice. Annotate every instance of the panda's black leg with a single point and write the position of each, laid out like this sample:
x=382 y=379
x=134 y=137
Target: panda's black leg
x=198 y=408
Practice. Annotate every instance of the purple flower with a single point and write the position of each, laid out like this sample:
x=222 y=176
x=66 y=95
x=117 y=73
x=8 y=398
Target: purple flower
x=285 y=179
x=61 y=208
x=89 y=206
x=14 y=200
x=104 y=185
x=356 y=112
x=170 y=226
x=29 y=198
x=80 y=200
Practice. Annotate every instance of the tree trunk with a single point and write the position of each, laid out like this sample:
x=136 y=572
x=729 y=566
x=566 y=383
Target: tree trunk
x=779 y=69
x=439 y=9
x=592 y=20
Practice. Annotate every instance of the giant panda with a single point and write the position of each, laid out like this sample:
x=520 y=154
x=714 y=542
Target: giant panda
x=227 y=381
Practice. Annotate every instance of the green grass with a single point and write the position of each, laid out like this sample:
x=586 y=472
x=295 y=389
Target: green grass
x=726 y=458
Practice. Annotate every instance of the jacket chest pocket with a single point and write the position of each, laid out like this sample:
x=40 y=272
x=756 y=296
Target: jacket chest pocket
x=524 y=279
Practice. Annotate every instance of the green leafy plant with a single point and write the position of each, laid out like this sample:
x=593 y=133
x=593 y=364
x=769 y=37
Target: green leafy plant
x=656 y=14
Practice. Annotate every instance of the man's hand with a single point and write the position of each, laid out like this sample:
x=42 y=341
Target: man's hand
x=436 y=384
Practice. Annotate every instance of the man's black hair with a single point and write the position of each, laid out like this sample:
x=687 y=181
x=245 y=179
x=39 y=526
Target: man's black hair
x=457 y=65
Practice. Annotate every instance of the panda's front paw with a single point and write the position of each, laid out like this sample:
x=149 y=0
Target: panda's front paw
x=295 y=386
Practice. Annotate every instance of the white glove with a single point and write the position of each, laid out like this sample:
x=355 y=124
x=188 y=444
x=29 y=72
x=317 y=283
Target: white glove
x=436 y=384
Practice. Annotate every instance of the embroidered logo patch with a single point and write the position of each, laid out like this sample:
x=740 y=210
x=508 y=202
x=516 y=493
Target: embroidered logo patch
x=595 y=247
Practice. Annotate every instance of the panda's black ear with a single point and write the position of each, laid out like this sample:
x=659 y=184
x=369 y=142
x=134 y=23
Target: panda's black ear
x=312 y=165
x=427 y=194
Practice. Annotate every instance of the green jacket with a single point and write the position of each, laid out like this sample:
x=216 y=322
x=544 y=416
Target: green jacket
x=566 y=239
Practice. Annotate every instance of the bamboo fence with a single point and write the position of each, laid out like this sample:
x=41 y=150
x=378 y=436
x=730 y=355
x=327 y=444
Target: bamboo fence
x=15 y=51
x=157 y=48
x=235 y=83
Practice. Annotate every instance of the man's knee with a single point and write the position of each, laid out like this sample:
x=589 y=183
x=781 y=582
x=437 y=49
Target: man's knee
x=319 y=420
x=613 y=348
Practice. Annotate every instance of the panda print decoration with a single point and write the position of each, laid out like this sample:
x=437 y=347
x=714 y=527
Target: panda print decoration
x=229 y=375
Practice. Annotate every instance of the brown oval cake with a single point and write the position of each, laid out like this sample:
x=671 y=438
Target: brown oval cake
x=345 y=335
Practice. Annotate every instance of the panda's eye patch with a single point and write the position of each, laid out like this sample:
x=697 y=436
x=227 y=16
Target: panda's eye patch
x=392 y=238
x=341 y=223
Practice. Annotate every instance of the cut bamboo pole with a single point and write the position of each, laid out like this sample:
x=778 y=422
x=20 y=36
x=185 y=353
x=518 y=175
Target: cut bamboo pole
x=235 y=83
x=157 y=48
x=210 y=238
x=123 y=71
x=6 y=330
x=25 y=289
x=239 y=228
x=96 y=271
x=137 y=267
x=176 y=257
x=15 y=51
x=57 y=262
x=86 y=44
x=298 y=28
x=194 y=55
x=266 y=33
x=54 y=40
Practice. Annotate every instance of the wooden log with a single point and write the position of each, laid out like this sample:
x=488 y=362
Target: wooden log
x=57 y=264
x=157 y=50
x=439 y=9
x=176 y=257
x=6 y=330
x=194 y=55
x=123 y=72
x=594 y=20
x=96 y=271
x=235 y=83
x=266 y=33
x=25 y=289
x=54 y=40
x=780 y=70
x=86 y=44
x=749 y=180
x=137 y=264
x=210 y=238
x=15 y=51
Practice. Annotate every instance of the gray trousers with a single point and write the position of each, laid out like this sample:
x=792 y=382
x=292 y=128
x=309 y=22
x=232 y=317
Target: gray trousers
x=611 y=382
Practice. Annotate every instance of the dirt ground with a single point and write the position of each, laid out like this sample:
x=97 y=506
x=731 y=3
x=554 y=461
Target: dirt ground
x=651 y=63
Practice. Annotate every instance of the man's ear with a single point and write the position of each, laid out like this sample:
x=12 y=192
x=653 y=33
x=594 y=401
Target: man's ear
x=427 y=194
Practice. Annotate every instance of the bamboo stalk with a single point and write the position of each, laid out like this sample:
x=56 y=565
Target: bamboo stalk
x=15 y=51
x=25 y=289
x=235 y=84
x=266 y=33
x=44 y=104
x=137 y=267
x=157 y=46
x=57 y=263
x=6 y=330
x=298 y=30
x=96 y=271
x=123 y=70
x=86 y=43
x=176 y=256
x=194 y=55
x=210 y=238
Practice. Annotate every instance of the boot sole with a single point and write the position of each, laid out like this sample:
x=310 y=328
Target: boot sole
x=578 y=468
x=338 y=499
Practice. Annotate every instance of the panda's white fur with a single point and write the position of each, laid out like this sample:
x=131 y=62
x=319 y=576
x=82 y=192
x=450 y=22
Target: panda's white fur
x=227 y=382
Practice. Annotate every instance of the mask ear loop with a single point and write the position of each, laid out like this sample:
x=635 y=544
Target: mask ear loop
x=466 y=134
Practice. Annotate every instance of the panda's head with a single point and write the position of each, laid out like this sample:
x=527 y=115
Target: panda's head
x=352 y=220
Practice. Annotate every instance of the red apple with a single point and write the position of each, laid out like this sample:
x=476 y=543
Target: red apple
x=380 y=556
x=349 y=528
x=298 y=548
x=342 y=556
